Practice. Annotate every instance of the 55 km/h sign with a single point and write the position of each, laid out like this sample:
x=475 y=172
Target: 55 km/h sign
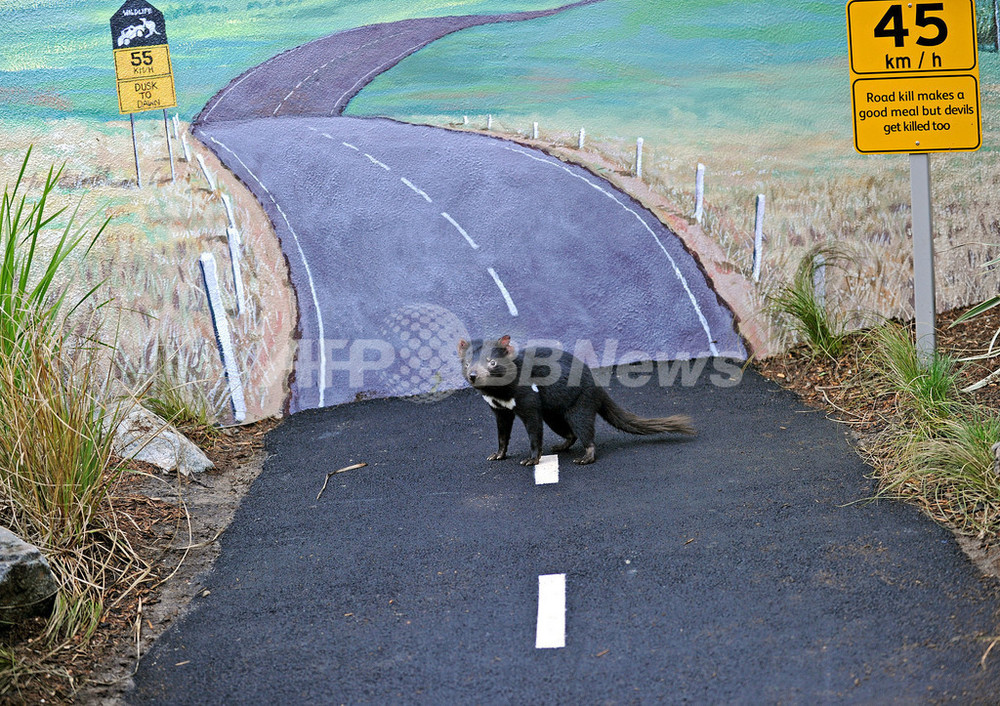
x=914 y=76
x=142 y=58
x=143 y=74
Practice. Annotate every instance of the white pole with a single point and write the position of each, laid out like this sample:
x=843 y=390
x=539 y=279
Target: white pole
x=534 y=131
x=465 y=120
x=170 y=147
x=819 y=278
x=222 y=335
x=758 y=238
x=489 y=122
x=177 y=127
x=236 y=258
x=228 y=203
x=638 y=158
x=582 y=136
x=187 y=150
x=924 y=309
x=699 y=193
x=204 y=170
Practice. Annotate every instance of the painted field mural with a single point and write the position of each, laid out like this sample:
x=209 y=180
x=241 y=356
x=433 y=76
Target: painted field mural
x=370 y=181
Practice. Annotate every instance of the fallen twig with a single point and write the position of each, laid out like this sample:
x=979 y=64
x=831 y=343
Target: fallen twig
x=339 y=470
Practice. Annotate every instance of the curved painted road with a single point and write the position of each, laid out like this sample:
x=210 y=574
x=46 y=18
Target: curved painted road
x=378 y=217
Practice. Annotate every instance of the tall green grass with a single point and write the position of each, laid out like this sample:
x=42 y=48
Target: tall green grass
x=925 y=388
x=804 y=310
x=57 y=470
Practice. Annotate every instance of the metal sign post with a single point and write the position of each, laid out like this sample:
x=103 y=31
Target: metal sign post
x=924 y=310
x=144 y=76
x=914 y=70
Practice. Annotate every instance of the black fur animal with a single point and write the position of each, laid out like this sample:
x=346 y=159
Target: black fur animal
x=544 y=384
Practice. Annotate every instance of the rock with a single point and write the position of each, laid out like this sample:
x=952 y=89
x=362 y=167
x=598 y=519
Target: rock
x=144 y=436
x=27 y=585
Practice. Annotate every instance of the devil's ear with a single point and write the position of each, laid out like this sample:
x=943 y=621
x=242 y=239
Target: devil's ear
x=463 y=346
x=504 y=343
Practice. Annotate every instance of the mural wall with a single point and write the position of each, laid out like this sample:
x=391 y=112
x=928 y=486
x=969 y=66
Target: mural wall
x=280 y=146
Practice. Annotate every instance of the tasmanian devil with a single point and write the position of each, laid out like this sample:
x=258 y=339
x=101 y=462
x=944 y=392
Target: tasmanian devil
x=545 y=384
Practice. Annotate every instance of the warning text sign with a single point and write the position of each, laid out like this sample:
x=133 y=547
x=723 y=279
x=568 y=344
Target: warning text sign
x=914 y=76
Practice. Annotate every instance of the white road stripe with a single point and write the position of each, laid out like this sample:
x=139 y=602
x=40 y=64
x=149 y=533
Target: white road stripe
x=547 y=470
x=550 y=632
x=378 y=163
x=341 y=56
x=680 y=276
x=350 y=146
x=312 y=287
x=503 y=291
x=461 y=230
x=410 y=184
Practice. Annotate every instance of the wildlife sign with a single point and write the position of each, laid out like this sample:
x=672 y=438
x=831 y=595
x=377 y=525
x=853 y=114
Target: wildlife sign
x=142 y=58
x=914 y=76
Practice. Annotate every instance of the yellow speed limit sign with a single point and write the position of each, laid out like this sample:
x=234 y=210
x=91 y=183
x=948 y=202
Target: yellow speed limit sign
x=914 y=76
x=143 y=73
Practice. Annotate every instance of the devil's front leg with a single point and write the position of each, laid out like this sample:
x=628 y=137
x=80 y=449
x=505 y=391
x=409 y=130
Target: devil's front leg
x=533 y=425
x=505 y=422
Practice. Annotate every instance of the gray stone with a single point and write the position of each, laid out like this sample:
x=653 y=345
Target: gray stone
x=27 y=584
x=145 y=436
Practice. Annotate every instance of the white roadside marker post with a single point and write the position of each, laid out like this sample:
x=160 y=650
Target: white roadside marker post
x=699 y=193
x=758 y=238
x=223 y=336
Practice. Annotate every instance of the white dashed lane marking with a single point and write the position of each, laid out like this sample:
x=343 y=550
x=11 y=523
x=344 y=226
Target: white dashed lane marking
x=547 y=470
x=377 y=163
x=417 y=190
x=550 y=632
x=461 y=230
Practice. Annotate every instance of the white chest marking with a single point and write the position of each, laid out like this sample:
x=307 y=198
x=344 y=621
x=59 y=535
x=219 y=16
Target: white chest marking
x=496 y=403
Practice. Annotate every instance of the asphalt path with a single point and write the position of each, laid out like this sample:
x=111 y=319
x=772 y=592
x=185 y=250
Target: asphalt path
x=376 y=216
x=741 y=566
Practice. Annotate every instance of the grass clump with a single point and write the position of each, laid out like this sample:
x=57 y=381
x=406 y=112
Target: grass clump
x=182 y=403
x=804 y=310
x=57 y=471
x=956 y=471
x=926 y=388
